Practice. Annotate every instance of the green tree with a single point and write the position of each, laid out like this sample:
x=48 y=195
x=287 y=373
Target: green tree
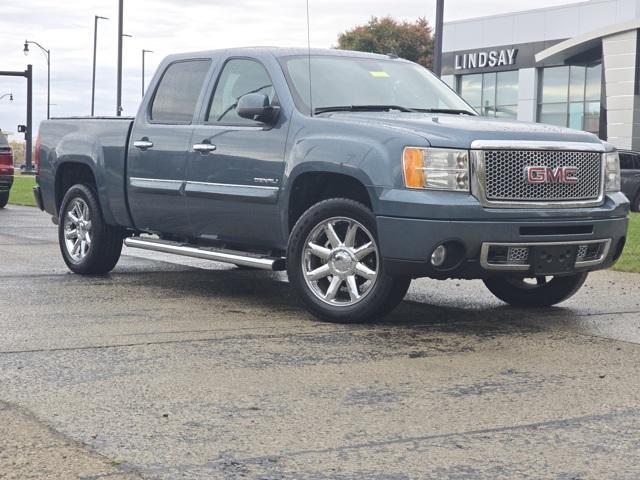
x=410 y=40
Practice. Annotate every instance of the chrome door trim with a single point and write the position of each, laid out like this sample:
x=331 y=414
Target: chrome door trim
x=155 y=184
x=232 y=185
x=229 y=191
x=484 y=253
x=478 y=182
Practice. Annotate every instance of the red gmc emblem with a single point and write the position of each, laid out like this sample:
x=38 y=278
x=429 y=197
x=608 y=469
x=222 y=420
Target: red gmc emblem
x=551 y=175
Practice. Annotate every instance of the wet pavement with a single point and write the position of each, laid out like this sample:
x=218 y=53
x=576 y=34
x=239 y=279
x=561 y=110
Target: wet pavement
x=177 y=368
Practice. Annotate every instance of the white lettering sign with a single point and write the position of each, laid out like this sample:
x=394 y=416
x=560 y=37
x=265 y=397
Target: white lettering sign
x=492 y=58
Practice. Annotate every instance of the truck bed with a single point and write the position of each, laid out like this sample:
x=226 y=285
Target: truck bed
x=98 y=142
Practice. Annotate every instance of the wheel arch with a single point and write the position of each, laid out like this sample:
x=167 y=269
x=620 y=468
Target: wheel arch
x=310 y=186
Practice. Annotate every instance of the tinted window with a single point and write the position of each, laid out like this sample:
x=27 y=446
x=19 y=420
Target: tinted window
x=177 y=94
x=238 y=78
x=626 y=161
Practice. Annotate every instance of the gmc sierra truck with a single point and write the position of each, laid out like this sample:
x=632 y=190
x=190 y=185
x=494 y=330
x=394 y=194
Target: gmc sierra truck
x=353 y=172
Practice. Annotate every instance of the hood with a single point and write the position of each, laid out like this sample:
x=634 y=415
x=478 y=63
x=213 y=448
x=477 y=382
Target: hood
x=458 y=131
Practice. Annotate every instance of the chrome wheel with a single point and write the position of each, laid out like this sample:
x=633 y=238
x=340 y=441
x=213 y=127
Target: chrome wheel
x=340 y=261
x=77 y=229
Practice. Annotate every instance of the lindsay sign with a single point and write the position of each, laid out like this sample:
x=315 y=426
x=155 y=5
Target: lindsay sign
x=492 y=58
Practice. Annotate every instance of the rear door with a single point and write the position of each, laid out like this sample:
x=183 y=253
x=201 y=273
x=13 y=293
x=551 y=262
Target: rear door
x=159 y=142
x=232 y=188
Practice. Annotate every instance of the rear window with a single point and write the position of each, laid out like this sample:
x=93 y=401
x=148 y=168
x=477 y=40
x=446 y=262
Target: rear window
x=3 y=140
x=177 y=94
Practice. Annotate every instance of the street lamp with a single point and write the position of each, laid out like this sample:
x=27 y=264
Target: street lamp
x=10 y=95
x=143 y=52
x=47 y=54
x=95 y=46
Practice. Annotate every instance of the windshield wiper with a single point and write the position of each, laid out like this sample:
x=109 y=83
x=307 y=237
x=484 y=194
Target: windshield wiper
x=455 y=111
x=362 y=108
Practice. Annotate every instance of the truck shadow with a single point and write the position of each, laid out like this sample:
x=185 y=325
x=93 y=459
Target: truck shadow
x=268 y=292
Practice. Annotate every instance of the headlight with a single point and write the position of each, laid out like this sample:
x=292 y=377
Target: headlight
x=436 y=168
x=612 y=172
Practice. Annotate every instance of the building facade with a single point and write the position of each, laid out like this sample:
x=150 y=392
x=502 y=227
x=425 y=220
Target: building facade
x=575 y=65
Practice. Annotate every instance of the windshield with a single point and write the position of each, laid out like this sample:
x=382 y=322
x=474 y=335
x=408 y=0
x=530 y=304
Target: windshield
x=356 y=81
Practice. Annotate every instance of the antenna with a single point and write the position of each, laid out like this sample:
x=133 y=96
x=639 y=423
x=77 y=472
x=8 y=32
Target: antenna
x=309 y=59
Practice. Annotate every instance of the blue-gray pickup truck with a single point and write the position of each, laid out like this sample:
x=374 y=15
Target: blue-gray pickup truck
x=353 y=172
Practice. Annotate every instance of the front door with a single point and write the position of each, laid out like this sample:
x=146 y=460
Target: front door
x=236 y=165
x=159 y=143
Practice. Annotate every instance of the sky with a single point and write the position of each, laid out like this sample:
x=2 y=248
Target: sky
x=171 y=26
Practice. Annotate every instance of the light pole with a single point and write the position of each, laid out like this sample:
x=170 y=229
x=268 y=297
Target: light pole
x=10 y=95
x=95 y=47
x=437 y=44
x=47 y=54
x=119 y=74
x=143 y=52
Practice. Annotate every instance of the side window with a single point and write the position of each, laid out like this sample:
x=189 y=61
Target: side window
x=626 y=161
x=177 y=94
x=239 y=77
x=636 y=164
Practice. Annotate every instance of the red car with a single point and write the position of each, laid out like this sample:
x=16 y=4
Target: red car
x=6 y=170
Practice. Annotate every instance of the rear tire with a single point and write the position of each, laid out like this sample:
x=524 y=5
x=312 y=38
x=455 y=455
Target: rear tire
x=520 y=293
x=334 y=264
x=89 y=246
x=4 y=199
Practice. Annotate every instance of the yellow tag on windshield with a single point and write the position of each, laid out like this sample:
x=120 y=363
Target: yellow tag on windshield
x=379 y=74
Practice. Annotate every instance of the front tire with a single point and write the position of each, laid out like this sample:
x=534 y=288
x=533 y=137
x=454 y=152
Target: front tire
x=535 y=293
x=89 y=246
x=334 y=264
x=4 y=199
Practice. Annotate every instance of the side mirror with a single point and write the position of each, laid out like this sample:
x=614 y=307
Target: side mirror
x=256 y=106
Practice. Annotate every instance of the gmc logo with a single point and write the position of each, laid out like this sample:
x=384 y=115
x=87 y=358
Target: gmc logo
x=566 y=175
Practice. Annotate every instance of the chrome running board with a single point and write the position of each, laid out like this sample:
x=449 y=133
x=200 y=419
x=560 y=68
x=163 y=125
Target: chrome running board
x=217 y=255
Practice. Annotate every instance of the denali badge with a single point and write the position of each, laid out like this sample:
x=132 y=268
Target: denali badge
x=551 y=175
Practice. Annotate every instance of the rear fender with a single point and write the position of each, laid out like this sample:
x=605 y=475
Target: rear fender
x=85 y=150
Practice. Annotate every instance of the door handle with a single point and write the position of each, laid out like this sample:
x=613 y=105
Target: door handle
x=204 y=148
x=143 y=144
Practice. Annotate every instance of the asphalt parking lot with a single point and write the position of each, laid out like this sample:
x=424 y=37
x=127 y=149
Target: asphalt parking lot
x=174 y=368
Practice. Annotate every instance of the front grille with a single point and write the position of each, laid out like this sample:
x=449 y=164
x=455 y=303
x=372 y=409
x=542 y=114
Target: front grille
x=505 y=178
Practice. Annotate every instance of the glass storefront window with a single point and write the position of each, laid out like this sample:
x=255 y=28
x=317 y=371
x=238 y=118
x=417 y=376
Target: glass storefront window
x=507 y=88
x=555 y=81
x=491 y=94
x=471 y=90
x=576 y=84
x=569 y=96
x=594 y=82
x=553 y=114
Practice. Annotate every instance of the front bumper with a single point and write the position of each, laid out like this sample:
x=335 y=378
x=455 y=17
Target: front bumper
x=406 y=244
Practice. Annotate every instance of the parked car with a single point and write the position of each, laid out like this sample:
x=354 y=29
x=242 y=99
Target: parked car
x=6 y=169
x=630 y=166
x=371 y=174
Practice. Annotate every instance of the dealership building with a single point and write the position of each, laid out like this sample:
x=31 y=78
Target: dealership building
x=575 y=65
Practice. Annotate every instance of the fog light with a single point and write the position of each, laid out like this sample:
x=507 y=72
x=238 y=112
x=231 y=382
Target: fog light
x=438 y=256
